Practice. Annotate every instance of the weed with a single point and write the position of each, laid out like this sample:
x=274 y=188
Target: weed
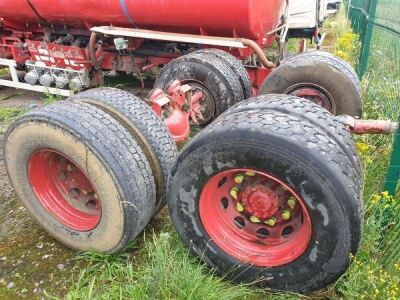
x=50 y=98
x=9 y=114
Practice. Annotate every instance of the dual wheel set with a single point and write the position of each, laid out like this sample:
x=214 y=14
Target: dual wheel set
x=268 y=193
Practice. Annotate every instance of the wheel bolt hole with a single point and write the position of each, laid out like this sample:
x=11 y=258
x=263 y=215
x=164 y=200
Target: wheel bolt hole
x=287 y=230
x=74 y=192
x=224 y=203
x=262 y=233
x=91 y=204
x=63 y=175
x=222 y=182
x=239 y=222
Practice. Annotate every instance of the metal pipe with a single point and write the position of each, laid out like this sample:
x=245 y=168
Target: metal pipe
x=92 y=49
x=260 y=53
x=357 y=126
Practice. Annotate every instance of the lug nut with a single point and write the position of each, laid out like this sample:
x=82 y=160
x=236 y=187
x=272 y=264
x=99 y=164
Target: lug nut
x=251 y=174
x=254 y=219
x=292 y=202
x=271 y=221
x=239 y=178
x=286 y=215
x=69 y=168
x=234 y=193
x=239 y=207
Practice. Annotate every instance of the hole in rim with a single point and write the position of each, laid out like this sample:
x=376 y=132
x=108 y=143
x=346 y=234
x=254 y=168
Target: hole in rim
x=91 y=204
x=239 y=222
x=63 y=175
x=222 y=182
x=287 y=230
x=224 y=203
x=262 y=233
x=74 y=192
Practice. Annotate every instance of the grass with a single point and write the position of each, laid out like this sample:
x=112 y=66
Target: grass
x=159 y=267
x=8 y=114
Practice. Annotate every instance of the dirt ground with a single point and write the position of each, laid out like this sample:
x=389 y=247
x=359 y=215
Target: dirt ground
x=32 y=264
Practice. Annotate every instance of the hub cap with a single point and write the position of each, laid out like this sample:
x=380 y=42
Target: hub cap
x=255 y=218
x=64 y=190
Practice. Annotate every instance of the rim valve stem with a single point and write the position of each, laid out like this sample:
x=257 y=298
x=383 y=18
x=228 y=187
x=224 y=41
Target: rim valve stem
x=271 y=221
x=286 y=215
x=239 y=178
x=292 y=202
x=234 y=193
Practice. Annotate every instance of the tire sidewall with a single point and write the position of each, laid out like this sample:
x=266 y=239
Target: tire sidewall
x=340 y=88
x=32 y=136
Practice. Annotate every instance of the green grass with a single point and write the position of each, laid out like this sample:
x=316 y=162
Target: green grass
x=8 y=114
x=159 y=267
x=4 y=71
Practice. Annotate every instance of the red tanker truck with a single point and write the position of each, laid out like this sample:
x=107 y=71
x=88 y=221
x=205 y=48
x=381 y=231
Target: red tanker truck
x=269 y=192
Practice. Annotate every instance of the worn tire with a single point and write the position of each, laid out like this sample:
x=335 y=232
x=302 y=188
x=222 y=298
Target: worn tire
x=302 y=156
x=212 y=73
x=145 y=127
x=312 y=112
x=321 y=72
x=336 y=61
x=236 y=66
x=105 y=153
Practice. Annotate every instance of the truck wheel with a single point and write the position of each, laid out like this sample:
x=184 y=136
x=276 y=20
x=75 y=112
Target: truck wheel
x=146 y=128
x=318 y=78
x=269 y=218
x=236 y=66
x=206 y=73
x=81 y=175
x=308 y=110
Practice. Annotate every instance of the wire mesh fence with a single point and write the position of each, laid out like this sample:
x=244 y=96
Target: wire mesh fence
x=378 y=24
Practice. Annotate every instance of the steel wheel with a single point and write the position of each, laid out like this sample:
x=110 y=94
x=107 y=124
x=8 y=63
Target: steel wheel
x=64 y=190
x=315 y=94
x=256 y=213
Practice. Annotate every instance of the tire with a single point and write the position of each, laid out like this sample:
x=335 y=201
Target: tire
x=145 y=127
x=68 y=155
x=340 y=63
x=301 y=158
x=208 y=73
x=236 y=66
x=338 y=90
x=312 y=112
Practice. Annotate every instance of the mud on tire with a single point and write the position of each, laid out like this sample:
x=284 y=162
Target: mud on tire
x=271 y=151
x=81 y=175
x=145 y=127
x=321 y=78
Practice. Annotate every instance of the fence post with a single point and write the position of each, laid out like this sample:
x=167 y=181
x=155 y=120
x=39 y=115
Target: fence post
x=366 y=37
x=393 y=173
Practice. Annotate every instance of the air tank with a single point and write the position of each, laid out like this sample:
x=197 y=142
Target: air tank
x=230 y=18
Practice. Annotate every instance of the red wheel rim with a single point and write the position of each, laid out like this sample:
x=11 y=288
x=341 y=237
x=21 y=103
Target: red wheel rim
x=64 y=190
x=237 y=223
x=316 y=95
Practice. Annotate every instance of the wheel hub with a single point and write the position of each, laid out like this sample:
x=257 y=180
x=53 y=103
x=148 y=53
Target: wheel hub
x=64 y=190
x=260 y=201
x=316 y=95
x=255 y=217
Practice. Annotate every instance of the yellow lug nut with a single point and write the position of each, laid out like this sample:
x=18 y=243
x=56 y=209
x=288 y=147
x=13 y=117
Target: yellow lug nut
x=292 y=202
x=254 y=219
x=271 y=221
x=251 y=174
x=234 y=193
x=239 y=178
x=239 y=207
x=286 y=215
